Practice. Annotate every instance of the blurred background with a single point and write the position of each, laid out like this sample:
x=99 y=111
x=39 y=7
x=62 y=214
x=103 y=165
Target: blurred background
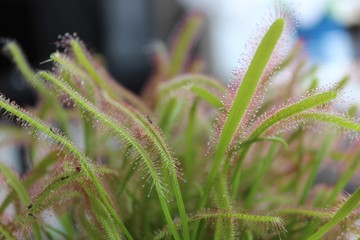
x=123 y=30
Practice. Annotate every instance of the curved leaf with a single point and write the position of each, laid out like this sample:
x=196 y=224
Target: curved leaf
x=153 y=171
x=293 y=109
x=40 y=128
x=243 y=97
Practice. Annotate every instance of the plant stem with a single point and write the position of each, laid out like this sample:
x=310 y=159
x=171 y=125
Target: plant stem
x=265 y=164
x=235 y=183
x=315 y=168
x=189 y=135
x=345 y=178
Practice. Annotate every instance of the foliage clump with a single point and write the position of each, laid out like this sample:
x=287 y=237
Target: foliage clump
x=188 y=159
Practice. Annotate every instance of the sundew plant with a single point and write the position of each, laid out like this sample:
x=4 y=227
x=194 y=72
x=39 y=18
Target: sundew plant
x=190 y=158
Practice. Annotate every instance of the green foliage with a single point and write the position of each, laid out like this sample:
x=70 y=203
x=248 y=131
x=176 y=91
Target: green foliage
x=15 y=183
x=342 y=213
x=224 y=162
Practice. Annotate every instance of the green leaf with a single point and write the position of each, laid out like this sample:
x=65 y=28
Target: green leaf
x=39 y=171
x=244 y=96
x=262 y=139
x=20 y=61
x=20 y=189
x=15 y=183
x=248 y=217
x=264 y=167
x=342 y=83
x=207 y=96
x=114 y=90
x=170 y=114
x=293 y=109
x=345 y=178
x=249 y=84
x=313 y=213
x=340 y=215
x=42 y=199
x=39 y=127
x=315 y=165
x=242 y=99
x=71 y=67
x=202 y=85
x=330 y=118
x=125 y=133
x=224 y=226
x=189 y=80
x=17 y=55
x=6 y=233
x=103 y=216
x=257 y=219
x=183 y=42
x=189 y=138
x=156 y=137
x=83 y=60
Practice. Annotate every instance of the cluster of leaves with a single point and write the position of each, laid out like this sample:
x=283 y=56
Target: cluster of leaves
x=189 y=159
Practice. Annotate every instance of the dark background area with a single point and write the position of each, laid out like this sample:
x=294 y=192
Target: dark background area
x=122 y=30
x=118 y=29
